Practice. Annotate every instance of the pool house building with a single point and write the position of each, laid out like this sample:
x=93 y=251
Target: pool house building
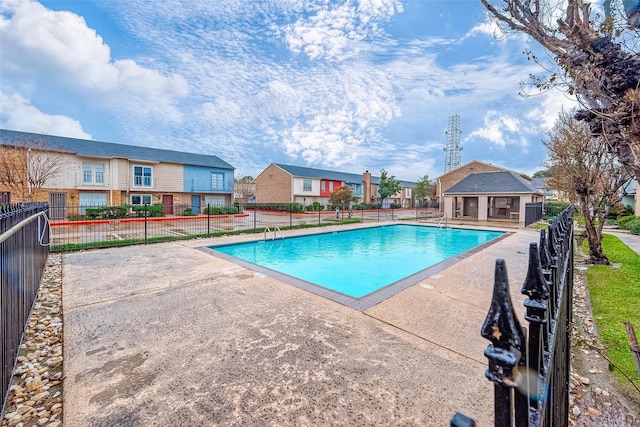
x=489 y=196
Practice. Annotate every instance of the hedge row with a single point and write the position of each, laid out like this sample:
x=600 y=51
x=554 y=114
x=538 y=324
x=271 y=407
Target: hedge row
x=630 y=222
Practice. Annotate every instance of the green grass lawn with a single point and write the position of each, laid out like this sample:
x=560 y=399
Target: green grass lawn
x=615 y=296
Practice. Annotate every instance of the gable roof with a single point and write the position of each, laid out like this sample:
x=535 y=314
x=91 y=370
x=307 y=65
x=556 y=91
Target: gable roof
x=110 y=150
x=500 y=168
x=349 y=178
x=539 y=183
x=321 y=173
x=492 y=182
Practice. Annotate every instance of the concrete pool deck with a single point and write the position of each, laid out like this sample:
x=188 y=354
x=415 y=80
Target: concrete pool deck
x=167 y=334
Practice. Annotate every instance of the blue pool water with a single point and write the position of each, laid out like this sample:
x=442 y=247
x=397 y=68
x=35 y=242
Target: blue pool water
x=358 y=262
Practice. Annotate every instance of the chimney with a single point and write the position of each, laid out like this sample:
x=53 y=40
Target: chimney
x=366 y=187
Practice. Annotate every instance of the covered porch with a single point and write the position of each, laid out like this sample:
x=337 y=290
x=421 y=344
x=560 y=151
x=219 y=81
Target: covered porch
x=489 y=207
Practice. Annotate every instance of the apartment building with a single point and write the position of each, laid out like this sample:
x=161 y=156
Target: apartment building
x=95 y=173
x=280 y=183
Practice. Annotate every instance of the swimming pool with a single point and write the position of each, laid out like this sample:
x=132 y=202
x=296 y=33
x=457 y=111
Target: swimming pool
x=359 y=262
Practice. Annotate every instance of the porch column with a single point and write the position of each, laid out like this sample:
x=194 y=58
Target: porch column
x=483 y=205
x=523 y=207
x=447 y=204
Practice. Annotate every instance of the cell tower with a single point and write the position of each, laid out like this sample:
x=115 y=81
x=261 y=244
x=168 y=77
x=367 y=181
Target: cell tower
x=454 y=147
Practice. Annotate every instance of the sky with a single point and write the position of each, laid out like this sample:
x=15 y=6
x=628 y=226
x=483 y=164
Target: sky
x=344 y=85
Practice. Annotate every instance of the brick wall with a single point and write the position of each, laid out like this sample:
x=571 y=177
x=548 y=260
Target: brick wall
x=449 y=179
x=273 y=185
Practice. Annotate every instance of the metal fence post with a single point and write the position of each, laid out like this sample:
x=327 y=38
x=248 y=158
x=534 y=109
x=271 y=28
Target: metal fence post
x=506 y=353
x=145 y=222
x=536 y=288
x=208 y=219
x=290 y=215
x=255 y=214
x=319 y=216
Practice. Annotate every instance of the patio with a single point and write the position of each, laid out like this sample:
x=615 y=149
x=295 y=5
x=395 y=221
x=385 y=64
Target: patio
x=167 y=334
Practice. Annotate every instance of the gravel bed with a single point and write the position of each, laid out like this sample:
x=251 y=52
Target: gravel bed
x=35 y=395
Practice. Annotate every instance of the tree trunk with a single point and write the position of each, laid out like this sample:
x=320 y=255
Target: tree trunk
x=594 y=236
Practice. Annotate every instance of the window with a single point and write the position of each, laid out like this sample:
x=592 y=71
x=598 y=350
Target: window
x=217 y=201
x=324 y=186
x=99 y=168
x=217 y=181
x=331 y=186
x=408 y=190
x=142 y=176
x=91 y=200
x=140 y=199
x=93 y=173
x=306 y=185
x=87 y=175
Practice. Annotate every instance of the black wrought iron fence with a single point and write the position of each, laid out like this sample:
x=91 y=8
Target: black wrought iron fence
x=23 y=254
x=98 y=226
x=530 y=371
x=532 y=213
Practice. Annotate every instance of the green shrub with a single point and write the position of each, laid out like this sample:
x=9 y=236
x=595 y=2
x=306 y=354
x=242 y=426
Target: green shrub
x=93 y=213
x=624 y=220
x=634 y=226
x=282 y=207
x=118 y=211
x=110 y=212
x=155 y=210
x=221 y=210
x=366 y=206
x=552 y=209
x=187 y=212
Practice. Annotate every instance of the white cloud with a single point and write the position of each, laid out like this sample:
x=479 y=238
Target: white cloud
x=17 y=113
x=335 y=33
x=553 y=102
x=500 y=129
x=57 y=49
x=489 y=27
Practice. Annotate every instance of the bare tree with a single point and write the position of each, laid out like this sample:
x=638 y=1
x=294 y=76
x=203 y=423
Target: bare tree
x=597 y=59
x=243 y=189
x=592 y=178
x=27 y=167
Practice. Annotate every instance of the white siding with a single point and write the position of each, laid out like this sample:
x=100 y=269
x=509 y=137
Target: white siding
x=298 y=187
x=168 y=178
x=71 y=174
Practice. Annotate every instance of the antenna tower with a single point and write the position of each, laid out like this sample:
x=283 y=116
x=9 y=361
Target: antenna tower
x=454 y=147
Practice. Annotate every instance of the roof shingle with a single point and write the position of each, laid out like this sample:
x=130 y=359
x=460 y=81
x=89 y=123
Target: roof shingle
x=109 y=149
x=349 y=178
x=492 y=182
